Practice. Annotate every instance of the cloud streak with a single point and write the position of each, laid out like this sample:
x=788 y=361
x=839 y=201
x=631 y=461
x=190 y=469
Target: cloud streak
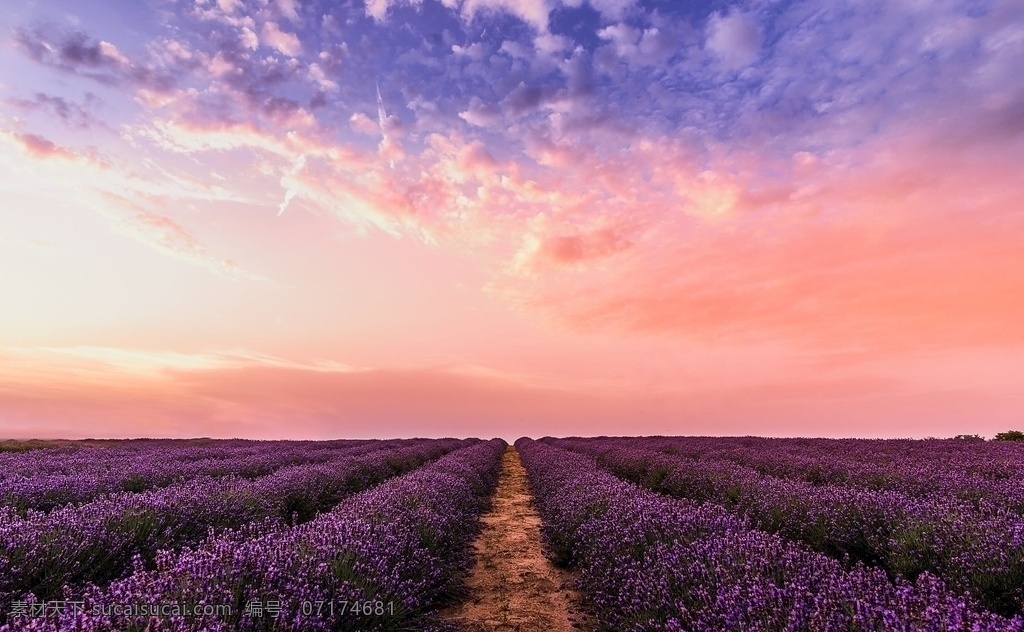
x=71 y=113
x=74 y=52
x=39 y=147
x=168 y=237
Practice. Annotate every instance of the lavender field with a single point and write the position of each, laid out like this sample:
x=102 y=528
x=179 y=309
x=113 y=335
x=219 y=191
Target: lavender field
x=787 y=534
x=651 y=533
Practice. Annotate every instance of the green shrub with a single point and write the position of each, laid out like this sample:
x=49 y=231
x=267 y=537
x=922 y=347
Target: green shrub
x=1010 y=435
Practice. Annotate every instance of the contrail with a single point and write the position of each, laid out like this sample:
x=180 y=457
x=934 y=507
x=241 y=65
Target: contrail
x=291 y=187
x=382 y=116
x=382 y=120
x=289 y=195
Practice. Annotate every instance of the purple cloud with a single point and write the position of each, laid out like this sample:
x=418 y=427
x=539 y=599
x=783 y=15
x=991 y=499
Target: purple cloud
x=69 y=112
x=75 y=53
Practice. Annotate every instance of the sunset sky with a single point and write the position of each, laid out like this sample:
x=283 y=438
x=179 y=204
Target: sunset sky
x=312 y=219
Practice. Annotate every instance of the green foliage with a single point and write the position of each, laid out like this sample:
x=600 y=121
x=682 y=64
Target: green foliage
x=1010 y=435
x=969 y=437
x=15 y=445
x=912 y=551
x=134 y=483
x=298 y=507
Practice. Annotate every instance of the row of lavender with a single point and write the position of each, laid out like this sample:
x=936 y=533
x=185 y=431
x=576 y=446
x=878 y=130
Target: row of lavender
x=652 y=563
x=988 y=459
x=989 y=474
x=976 y=553
x=112 y=455
x=45 y=479
x=384 y=559
x=96 y=542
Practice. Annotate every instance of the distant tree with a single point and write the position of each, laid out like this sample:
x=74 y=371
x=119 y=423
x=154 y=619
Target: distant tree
x=1010 y=435
x=969 y=437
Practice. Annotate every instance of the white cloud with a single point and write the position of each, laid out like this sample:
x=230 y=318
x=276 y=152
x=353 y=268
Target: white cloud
x=377 y=9
x=249 y=39
x=363 y=124
x=611 y=9
x=317 y=74
x=110 y=51
x=480 y=113
x=623 y=36
x=515 y=49
x=287 y=43
x=289 y=9
x=735 y=39
x=474 y=51
x=548 y=44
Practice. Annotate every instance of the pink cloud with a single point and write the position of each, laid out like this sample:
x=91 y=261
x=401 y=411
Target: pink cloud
x=256 y=396
x=474 y=158
x=363 y=124
x=533 y=12
x=887 y=258
x=286 y=43
x=480 y=114
x=266 y=398
x=732 y=243
x=248 y=38
x=289 y=9
x=377 y=9
x=576 y=248
x=169 y=237
x=229 y=6
x=40 y=147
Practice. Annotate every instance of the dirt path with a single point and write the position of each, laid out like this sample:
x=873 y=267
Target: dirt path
x=513 y=587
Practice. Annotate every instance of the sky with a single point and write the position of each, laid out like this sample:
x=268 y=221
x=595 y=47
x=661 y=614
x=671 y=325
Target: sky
x=312 y=219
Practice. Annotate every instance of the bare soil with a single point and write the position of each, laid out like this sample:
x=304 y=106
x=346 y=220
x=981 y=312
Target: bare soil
x=513 y=587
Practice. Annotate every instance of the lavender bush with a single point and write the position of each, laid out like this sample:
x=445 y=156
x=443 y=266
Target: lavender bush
x=96 y=542
x=978 y=550
x=989 y=475
x=46 y=479
x=402 y=546
x=649 y=562
x=980 y=553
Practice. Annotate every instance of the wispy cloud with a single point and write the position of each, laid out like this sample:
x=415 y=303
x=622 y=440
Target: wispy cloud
x=121 y=195
x=74 y=52
x=40 y=147
x=169 y=237
x=72 y=113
